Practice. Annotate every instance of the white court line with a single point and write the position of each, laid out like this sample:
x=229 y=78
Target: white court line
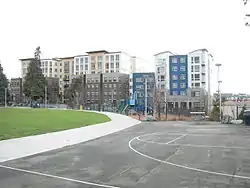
x=182 y=166
x=57 y=177
x=193 y=145
x=178 y=138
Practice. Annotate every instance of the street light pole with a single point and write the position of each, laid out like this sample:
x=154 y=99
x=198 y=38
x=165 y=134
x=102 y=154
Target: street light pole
x=146 y=95
x=219 y=82
x=5 y=97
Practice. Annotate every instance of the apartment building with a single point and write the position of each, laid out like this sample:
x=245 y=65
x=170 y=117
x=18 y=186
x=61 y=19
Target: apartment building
x=104 y=62
x=106 y=94
x=138 y=91
x=175 y=74
x=16 y=91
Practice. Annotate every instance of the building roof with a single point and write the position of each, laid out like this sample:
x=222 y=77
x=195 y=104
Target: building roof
x=98 y=51
x=25 y=59
x=72 y=57
x=163 y=53
x=80 y=55
x=203 y=49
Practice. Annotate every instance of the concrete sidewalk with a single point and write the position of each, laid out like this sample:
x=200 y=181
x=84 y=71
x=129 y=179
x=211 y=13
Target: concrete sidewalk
x=26 y=146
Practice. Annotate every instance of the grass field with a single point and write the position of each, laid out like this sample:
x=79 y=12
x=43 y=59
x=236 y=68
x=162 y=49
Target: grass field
x=16 y=122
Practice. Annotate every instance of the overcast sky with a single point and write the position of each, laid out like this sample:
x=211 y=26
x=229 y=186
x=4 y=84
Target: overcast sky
x=138 y=27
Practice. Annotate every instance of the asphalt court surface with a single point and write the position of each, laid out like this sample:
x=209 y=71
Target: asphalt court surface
x=149 y=155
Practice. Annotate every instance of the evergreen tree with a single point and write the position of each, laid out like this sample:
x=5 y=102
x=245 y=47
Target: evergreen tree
x=215 y=114
x=3 y=85
x=241 y=115
x=34 y=82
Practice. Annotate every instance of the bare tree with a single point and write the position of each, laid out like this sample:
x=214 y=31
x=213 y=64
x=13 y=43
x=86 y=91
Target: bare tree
x=157 y=102
x=247 y=16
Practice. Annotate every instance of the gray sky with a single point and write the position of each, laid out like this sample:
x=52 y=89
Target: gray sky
x=140 y=28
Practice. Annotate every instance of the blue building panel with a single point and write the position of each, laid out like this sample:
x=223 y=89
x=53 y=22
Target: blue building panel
x=138 y=88
x=178 y=74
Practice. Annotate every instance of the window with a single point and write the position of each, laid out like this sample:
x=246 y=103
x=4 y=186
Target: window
x=197 y=68
x=117 y=65
x=107 y=65
x=92 y=58
x=175 y=93
x=139 y=79
x=112 y=65
x=174 y=60
x=50 y=70
x=77 y=61
x=197 y=59
x=197 y=93
x=81 y=60
x=46 y=63
x=107 y=58
x=86 y=60
x=175 y=85
x=197 y=84
x=112 y=58
x=60 y=70
x=77 y=67
x=114 y=79
x=182 y=77
x=162 y=78
x=86 y=67
x=158 y=70
x=139 y=87
x=197 y=77
x=192 y=68
x=182 y=60
x=99 y=58
x=182 y=85
x=182 y=68
x=174 y=68
x=117 y=57
x=110 y=85
x=174 y=77
x=50 y=63
x=55 y=63
x=183 y=93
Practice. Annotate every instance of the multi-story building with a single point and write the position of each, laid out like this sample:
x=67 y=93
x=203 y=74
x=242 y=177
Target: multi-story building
x=106 y=94
x=200 y=69
x=175 y=74
x=16 y=91
x=138 y=91
x=104 y=62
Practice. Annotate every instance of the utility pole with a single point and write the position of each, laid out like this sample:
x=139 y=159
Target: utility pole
x=5 y=97
x=45 y=97
x=219 y=92
x=166 y=105
x=146 y=96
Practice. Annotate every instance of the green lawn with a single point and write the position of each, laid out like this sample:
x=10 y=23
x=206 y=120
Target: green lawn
x=16 y=122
